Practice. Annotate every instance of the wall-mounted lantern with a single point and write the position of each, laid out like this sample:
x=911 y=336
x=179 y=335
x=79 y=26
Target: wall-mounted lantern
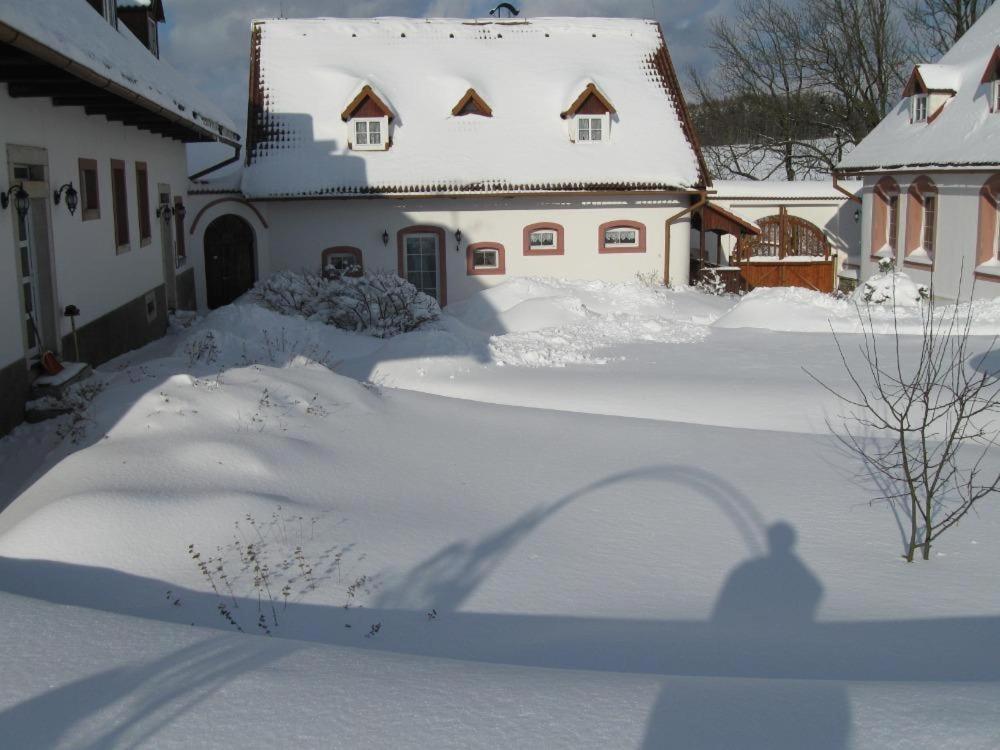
x=22 y=201
x=164 y=211
x=458 y=239
x=857 y=215
x=385 y=238
x=72 y=197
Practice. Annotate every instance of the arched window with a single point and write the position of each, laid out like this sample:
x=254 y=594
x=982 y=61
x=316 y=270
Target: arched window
x=341 y=260
x=885 y=219
x=622 y=237
x=485 y=259
x=988 y=239
x=921 y=222
x=544 y=238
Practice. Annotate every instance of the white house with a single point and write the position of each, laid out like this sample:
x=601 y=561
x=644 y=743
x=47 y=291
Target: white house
x=93 y=178
x=931 y=171
x=456 y=153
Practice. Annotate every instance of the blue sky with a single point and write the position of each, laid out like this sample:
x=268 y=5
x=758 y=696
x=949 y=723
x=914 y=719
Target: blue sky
x=209 y=39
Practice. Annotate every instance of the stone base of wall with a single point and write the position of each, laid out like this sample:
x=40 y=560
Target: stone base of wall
x=186 y=299
x=126 y=328
x=13 y=394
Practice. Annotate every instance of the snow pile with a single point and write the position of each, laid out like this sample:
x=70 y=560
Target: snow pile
x=555 y=322
x=377 y=304
x=243 y=335
x=806 y=311
x=888 y=287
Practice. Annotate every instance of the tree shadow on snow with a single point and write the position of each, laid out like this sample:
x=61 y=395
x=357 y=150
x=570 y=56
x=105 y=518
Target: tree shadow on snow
x=136 y=701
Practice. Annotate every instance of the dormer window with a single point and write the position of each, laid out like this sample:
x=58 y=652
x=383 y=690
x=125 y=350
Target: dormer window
x=368 y=133
x=471 y=103
x=590 y=128
x=930 y=88
x=918 y=111
x=589 y=116
x=991 y=78
x=368 y=120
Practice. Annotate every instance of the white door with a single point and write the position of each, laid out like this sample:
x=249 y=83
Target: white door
x=27 y=266
x=421 y=259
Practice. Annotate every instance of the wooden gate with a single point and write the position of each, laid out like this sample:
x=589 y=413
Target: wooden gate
x=789 y=251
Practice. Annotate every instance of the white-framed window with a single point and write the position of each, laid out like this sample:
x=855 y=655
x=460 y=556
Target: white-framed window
x=919 y=108
x=590 y=129
x=542 y=239
x=929 y=223
x=369 y=133
x=486 y=258
x=621 y=237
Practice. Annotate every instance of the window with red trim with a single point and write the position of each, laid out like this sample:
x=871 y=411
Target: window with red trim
x=485 y=259
x=622 y=237
x=544 y=238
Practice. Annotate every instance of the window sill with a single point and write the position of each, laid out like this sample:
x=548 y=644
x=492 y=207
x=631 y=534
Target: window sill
x=613 y=249
x=919 y=263
x=90 y=215
x=989 y=271
x=884 y=253
x=556 y=251
x=145 y=241
x=122 y=249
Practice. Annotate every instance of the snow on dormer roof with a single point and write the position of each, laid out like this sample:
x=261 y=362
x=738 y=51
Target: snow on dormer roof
x=965 y=134
x=306 y=70
x=933 y=78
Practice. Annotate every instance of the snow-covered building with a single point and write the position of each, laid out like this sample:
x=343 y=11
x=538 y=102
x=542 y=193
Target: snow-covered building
x=93 y=177
x=456 y=153
x=931 y=171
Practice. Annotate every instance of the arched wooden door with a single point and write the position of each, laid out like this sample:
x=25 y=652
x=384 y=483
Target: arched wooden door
x=229 y=260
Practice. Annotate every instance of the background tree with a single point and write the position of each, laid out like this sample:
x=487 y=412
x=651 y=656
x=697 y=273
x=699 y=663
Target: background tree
x=809 y=79
x=940 y=23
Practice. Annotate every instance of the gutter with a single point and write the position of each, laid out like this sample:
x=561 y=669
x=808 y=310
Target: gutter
x=234 y=158
x=702 y=200
x=15 y=38
x=845 y=191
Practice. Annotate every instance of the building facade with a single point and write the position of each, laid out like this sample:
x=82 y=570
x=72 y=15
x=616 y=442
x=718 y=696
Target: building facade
x=93 y=172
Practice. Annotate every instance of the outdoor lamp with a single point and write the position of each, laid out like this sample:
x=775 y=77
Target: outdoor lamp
x=72 y=197
x=164 y=211
x=22 y=201
x=458 y=236
x=385 y=237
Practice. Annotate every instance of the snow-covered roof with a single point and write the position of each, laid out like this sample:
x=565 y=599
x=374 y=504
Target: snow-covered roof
x=783 y=190
x=937 y=77
x=70 y=34
x=307 y=71
x=964 y=134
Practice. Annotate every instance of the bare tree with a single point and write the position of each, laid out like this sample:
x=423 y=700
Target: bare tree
x=858 y=53
x=940 y=23
x=924 y=431
x=825 y=72
x=761 y=57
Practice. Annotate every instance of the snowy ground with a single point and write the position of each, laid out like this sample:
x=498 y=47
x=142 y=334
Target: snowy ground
x=567 y=515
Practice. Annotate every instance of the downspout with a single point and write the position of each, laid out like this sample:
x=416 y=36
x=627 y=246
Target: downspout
x=702 y=200
x=235 y=157
x=844 y=191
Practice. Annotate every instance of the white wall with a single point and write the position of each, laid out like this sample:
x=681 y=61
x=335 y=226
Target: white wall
x=300 y=230
x=89 y=272
x=957 y=234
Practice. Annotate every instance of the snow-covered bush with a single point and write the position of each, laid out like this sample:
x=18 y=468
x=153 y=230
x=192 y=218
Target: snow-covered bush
x=887 y=286
x=711 y=283
x=378 y=304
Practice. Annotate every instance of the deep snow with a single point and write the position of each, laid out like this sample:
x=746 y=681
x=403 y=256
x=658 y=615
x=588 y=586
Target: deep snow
x=566 y=575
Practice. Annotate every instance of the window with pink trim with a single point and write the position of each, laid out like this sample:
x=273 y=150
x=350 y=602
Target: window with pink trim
x=921 y=223
x=885 y=219
x=988 y=235
x=544 y=238
x=622 y=237
x=485 y=259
